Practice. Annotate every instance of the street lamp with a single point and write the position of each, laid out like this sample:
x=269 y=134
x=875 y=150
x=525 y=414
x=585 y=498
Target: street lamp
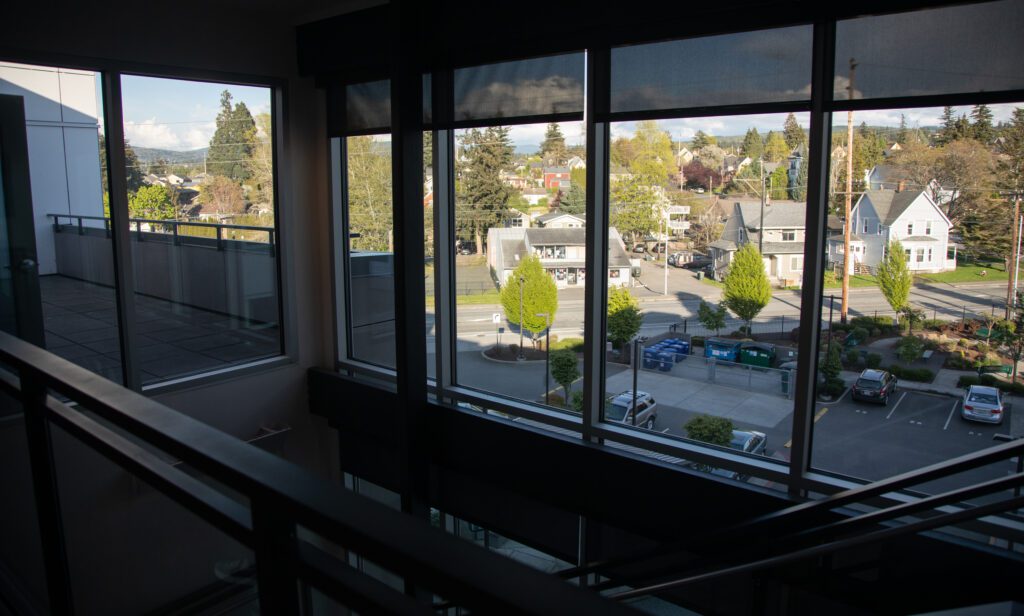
x=522 y=282
x=637 y=345
x=547 y=354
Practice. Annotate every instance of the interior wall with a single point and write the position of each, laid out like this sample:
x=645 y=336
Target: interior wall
x=219 y=38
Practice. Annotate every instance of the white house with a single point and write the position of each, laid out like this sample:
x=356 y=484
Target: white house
x=782 y=244
x=561 y=220
x=882 y=177
x=562 y=252
x=910 y=216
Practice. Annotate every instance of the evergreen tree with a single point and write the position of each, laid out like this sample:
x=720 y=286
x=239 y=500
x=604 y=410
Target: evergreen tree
x=798 y=192
x=132 y=167
x=902 y=135
x=487 y=153
x=747 y=289
x=775 y=148
x=540 y=295
x=233 y=140
x=575 y=202
x=752 y=147
x=554 y=143
x=982 y=129
x=948 y=127
x=778 y=183
x=793 y=133
x=702 y=140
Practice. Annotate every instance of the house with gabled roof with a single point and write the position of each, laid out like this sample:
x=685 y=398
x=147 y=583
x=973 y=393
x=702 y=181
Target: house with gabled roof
x=562 y=253
x=780 y=238
x=561 y=220
x=910 y=216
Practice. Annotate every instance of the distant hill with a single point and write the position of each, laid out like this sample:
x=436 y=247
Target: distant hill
x=175 y=157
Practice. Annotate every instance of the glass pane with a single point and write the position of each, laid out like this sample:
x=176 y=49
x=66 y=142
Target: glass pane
x=931 y=251
x=67 y=158
x=749 y=67
x=541 y=86
x=371 y=289
x=201 y=210
x=900 y=55
x=702 y=315
x=132 y=550
x=520 y=228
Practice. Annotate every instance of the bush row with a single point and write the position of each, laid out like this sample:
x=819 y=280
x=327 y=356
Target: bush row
x=988 y=379
x=921 y=375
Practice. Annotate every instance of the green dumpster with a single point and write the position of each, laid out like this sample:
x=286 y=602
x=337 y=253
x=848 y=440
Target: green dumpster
x=756 y=354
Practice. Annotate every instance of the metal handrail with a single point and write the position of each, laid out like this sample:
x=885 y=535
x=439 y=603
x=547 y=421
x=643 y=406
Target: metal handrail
x=800 y=515
x=281 y=498
x=190 y=223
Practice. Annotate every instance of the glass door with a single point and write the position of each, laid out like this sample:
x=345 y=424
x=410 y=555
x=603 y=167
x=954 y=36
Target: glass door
x=20 y=304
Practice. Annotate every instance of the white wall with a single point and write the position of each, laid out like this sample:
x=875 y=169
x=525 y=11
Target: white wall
x=61 y=115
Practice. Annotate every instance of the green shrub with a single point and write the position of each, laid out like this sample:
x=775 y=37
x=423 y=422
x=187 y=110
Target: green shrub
x=962 y=342
x=921 y=375
x=860 y=333
x=833 y=387
x=909 y=348
x=932 y=324
x=982 y=347
x=577 y=401
x=697 y=341
x=876 y=332
x=991 y=381
x=573 y=344
x=873 y=360
x=852 y=357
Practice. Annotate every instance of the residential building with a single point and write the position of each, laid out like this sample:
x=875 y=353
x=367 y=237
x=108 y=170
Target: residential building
x=888 y=177
x=779 y=235
x=561 y=220
x=562 y=252
x=908 y=216
x=556 y=178
x=575 y=162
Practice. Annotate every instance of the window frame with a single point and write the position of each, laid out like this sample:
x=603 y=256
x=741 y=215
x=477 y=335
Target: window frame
x=109 y=73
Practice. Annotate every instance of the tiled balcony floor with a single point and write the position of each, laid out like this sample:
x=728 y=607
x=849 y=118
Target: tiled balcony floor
x=174 y=340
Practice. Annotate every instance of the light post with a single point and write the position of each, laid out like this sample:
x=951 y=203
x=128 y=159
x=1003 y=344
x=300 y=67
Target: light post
x=637 y=345
x=547 y=354
x=521 y=356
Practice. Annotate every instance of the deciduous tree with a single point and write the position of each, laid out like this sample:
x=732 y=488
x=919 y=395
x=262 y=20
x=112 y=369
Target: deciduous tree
x=151 y=203
x=635 y=208
x=711 y=317
x=540 y=295
x=775 y=148
x=747 y=289
x=370 y=212
x=221 y=195
x=624 y=317
x=710 y=429
x=894 y=277
x=565 y=369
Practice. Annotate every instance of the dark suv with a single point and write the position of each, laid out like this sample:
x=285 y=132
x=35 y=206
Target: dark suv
x=874 y=386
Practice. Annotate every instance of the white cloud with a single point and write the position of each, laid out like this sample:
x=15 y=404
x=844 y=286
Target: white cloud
x=151 y=134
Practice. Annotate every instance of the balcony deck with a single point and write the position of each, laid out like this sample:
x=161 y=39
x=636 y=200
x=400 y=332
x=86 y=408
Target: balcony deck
x=174 y=340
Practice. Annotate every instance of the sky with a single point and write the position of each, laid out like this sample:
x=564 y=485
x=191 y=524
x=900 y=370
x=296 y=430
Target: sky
x=529 y=137
x=181 y=115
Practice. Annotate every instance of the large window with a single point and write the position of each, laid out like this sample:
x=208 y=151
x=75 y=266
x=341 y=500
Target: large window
x=201 y=214
x=715 y=225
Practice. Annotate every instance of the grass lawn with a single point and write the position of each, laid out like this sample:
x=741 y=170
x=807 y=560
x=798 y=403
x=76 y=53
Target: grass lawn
x=857 y=280
x=713 y=283
x=995 y=271
x=491 y=297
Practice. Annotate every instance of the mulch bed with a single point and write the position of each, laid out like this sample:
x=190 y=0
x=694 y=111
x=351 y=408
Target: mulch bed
x=510 y=352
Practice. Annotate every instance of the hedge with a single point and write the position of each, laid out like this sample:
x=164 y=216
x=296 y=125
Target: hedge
x=574 y=344
x=921 y=375
x=991 y=381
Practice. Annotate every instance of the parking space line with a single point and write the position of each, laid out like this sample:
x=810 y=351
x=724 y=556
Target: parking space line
x=950 y=418
x=895 y=405
x=821 y=413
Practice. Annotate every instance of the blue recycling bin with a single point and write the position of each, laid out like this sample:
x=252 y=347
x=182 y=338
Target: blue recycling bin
x=665 y=361
x=651 y=358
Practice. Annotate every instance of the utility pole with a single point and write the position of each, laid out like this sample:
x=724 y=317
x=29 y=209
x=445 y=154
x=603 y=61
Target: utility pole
x=1011 y=282
x=847 y=261
x=760 y=234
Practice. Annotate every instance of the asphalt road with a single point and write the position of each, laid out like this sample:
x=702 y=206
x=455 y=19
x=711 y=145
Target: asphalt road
x=942 y=300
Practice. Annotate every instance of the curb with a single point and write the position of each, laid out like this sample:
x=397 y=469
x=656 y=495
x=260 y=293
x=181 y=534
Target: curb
x=505 y=361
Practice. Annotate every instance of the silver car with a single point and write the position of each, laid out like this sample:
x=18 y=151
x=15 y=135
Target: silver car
x=619 y=409
x=983 y=403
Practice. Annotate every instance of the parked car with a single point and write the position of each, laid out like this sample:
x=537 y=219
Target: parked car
x=467 y=248
x=698 y=262
x=639 y=248
x=752 y=442
x=982 y=403
x=620 y=409
x=874 y=386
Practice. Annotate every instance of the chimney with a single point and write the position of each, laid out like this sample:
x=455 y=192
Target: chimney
x=901 y=186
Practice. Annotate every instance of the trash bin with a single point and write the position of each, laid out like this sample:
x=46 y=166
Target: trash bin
x=700 y=274
x=760 y=355
x=665 y=361
x=651 y=358
x=725 y=350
